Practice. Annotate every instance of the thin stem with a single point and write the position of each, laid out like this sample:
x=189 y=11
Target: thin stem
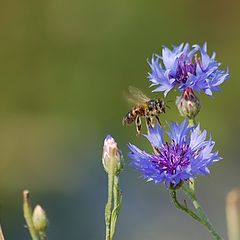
x=181 y=207
x=117 y=202
x=27 y=212
x=108 y=208
x=204 y=219
x=115 y=191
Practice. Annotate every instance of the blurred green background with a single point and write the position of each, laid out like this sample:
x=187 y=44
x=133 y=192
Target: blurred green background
x=63 y=68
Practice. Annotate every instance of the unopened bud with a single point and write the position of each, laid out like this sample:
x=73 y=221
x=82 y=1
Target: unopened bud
x=39 y=219
x=188 y=104
x=112 y=157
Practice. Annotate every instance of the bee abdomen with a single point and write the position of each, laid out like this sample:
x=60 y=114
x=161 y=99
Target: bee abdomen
x=129 y=118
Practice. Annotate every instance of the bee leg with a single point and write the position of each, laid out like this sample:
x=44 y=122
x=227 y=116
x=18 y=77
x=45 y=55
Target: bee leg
x=138 y=124
x=158 y=120
x=149 y=121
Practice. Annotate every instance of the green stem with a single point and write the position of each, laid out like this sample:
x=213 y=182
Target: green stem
x=114 y=201
x=181 y=207
x=108 y=208
x=117 y=201
x=200 y=217
x=204 y=219
x=27 y=212
x=116 y=191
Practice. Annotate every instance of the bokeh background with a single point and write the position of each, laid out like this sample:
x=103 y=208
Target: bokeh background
x=63 y=68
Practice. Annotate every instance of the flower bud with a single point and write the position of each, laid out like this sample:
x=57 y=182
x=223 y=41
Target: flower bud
x=112 y=157
x=188 y=104
x=39 y=219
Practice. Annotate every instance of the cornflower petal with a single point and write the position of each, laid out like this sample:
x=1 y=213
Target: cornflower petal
x=155 y=136
x=197 y=139
x=178 y=133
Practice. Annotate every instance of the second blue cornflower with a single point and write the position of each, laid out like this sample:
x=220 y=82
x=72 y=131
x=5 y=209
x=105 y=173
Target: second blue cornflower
x=186 y=155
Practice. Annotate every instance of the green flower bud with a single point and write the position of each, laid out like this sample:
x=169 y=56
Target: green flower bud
x=39 y=219
x=188 y=104
x=112 y=157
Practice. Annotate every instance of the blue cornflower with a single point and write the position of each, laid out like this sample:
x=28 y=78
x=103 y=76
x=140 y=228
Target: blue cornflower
x=186 y=155
x=186 y=67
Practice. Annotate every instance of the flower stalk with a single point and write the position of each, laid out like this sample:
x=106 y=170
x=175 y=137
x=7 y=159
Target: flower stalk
x=108 y=209
x=184 y=208
x=199 y=215
x=190 y=192
x=117 y=202
x=27 y=212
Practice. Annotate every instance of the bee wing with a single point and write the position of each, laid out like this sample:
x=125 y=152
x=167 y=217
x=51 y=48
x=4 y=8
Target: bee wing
x=136 y=96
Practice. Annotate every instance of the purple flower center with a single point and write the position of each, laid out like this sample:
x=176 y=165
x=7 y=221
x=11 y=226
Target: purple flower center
x=172 y=157
x=184 y=68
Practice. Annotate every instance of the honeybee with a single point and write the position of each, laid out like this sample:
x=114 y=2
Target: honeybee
x=144 y=107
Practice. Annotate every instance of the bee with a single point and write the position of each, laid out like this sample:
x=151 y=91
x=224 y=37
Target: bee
x=144 y=107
